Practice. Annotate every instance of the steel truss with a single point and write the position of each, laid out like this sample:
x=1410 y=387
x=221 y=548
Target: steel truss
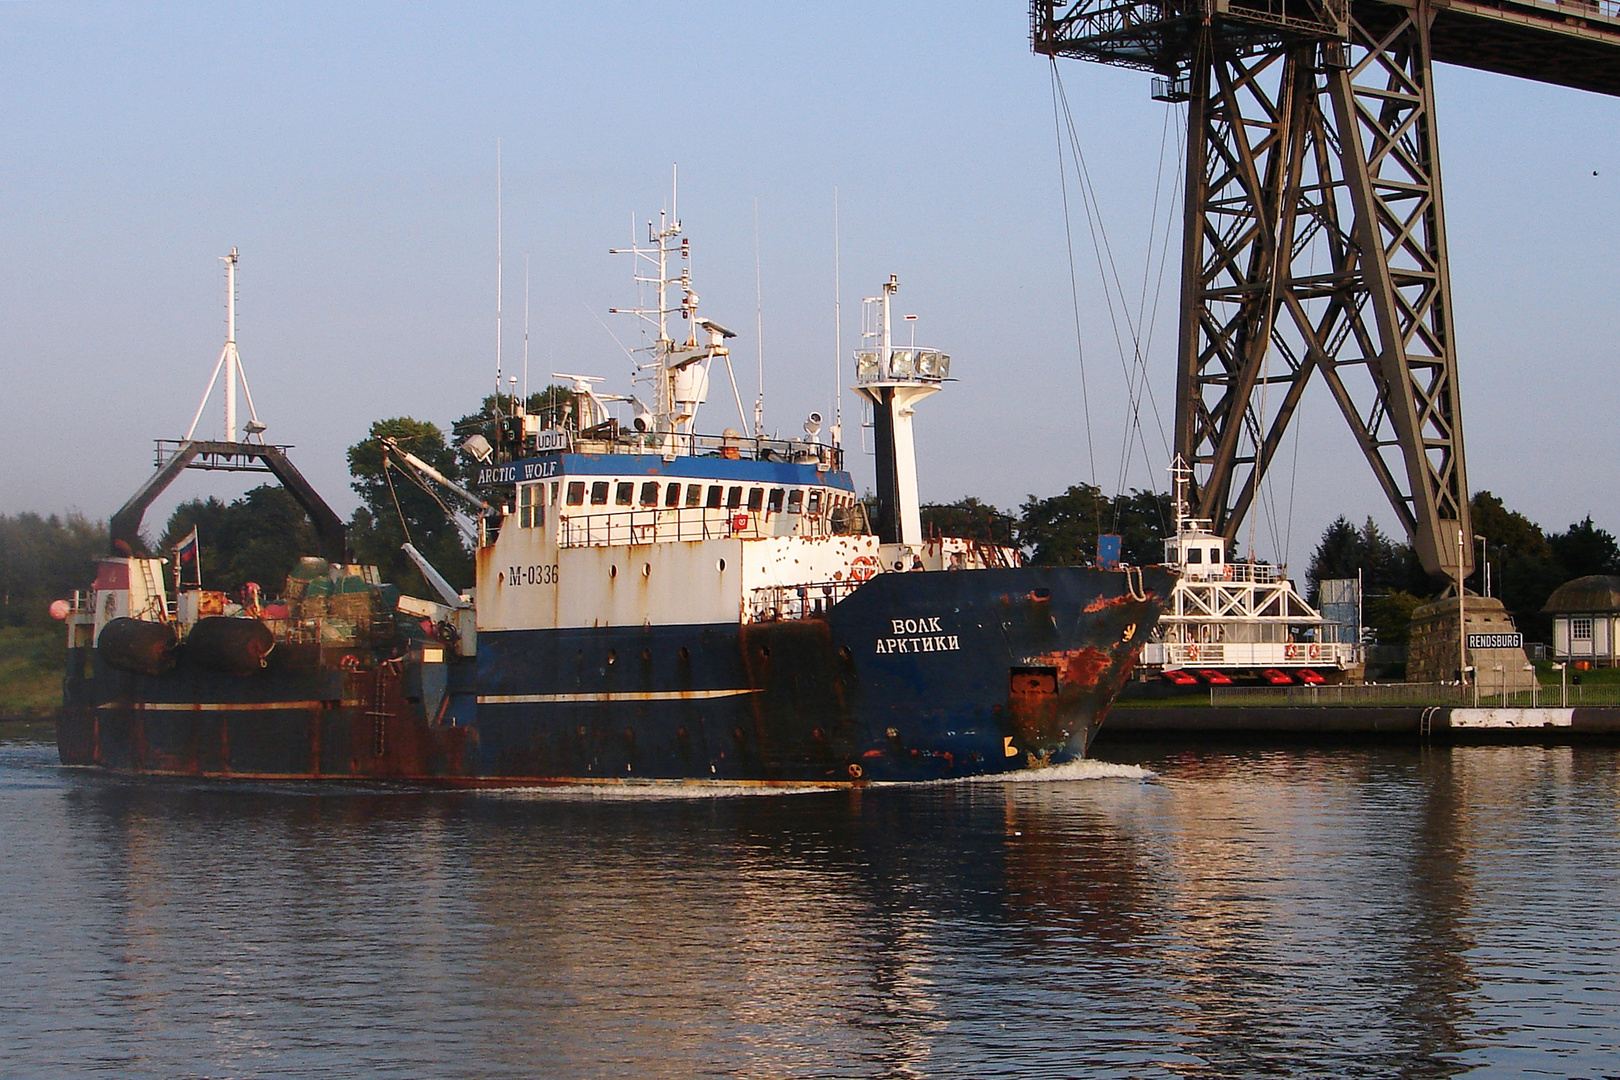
x=1313 y=242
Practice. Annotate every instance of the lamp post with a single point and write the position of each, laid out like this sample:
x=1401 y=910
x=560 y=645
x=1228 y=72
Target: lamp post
x=1484 y=565
x=1462 y=618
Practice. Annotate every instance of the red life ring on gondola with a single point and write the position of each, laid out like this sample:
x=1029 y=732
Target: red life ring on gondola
x=1192 y=653
x=1292 y=651
x=1316 y=652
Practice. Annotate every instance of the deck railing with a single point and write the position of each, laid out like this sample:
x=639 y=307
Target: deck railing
x=1372 y=695
x=736 y=447
x=812 y=600
x=1255 y=654
x=653 y=525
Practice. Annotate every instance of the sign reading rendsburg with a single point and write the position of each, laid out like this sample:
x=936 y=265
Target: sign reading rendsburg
x=1496 y=641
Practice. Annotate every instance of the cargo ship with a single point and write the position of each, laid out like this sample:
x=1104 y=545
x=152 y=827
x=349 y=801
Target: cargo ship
x=651 y=604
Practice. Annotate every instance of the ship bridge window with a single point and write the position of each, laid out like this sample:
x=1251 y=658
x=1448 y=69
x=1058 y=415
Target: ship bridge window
x=556 y=486
x=756 y=500
x=714 y=497
x=694 y=494
x=576 y=492
x=1195 y=555
x=672 y=497
x=795 y=501
x=599 y=493
x=649 y=493
x=625 y=494
x=775 y=503
x=531 y=505
x=1214 y=555
x=813 y=503
x=734 y=498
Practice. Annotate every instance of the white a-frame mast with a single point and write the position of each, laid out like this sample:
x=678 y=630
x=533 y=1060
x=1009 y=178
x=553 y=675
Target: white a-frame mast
x=230 y=362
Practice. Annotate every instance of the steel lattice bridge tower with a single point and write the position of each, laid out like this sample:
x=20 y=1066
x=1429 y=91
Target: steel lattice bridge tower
x=1314 y=238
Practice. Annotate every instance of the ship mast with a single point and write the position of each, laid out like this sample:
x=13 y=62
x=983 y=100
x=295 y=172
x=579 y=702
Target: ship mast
x=894 y=380
x=678 y=370
x=230 y=362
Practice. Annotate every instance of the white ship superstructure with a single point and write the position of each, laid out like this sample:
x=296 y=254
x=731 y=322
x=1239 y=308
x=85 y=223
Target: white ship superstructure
x=1238 y=619
x=648 y=522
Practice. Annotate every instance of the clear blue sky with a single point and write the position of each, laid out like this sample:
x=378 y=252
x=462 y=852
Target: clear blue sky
x=348 y=150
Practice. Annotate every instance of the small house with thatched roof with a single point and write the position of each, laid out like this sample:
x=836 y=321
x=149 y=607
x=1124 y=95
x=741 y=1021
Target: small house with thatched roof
x=1586 y=619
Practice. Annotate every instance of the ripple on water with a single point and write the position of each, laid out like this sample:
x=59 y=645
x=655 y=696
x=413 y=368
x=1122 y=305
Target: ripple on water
x=1354 y=912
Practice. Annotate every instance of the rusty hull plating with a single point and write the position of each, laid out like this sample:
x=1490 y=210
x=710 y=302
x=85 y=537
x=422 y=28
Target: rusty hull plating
x=912 y=677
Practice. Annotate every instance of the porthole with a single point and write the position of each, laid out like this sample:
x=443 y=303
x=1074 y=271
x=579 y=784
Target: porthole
x=646 y=569
x=613 y=655
x=686 y=655
x=613 y=571
x=721 y=566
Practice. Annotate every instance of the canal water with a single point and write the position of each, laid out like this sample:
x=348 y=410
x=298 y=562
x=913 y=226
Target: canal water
x=1332 y=912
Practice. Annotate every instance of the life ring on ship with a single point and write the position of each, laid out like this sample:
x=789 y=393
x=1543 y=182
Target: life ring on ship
x=1192 y=653
x=1226 y=571
x=863 y=567
x=739 y=522
x=1292 y=651
x=1316 y=652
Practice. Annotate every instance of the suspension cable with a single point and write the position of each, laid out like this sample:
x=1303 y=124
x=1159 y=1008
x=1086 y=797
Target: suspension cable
x=1112 y=286
x=1074 y=288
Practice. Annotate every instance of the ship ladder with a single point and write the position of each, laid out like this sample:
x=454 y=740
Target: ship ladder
x=1426 y=722
x=154 y=596
x=379 y=711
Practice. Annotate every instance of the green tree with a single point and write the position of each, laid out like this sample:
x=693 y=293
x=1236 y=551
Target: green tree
x=1142 y=519
x=1063 y=529
x=1523 y=570
x=44 y=559
x=255 y=538
x=969 y=519
x=1389 y=615
x=1384 y=565
x=398 y=509
x=1585 y=549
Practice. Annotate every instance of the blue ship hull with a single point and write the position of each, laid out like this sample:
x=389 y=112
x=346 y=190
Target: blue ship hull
x=914 y=676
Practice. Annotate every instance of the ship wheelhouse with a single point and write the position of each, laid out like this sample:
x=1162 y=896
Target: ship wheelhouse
x=608 y=499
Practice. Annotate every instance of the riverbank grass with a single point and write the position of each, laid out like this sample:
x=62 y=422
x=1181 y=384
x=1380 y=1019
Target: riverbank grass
x=31 y=664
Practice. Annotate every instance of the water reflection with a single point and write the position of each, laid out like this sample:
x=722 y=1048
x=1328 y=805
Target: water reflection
x=1354 y=912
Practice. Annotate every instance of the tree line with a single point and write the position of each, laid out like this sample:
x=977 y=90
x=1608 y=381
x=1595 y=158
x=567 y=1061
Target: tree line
x=259 y=536
x=1527 y=563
